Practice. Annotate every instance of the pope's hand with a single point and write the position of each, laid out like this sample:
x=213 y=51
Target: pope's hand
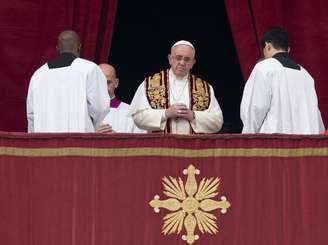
x=179 y=110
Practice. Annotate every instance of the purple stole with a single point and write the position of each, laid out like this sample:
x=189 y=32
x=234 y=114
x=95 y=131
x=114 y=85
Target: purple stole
x=115 y=102
x=157 y=92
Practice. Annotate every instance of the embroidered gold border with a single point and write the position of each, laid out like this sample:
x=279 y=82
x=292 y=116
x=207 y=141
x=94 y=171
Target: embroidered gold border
x=200 y=94
x=163 y=152
x=156 y=91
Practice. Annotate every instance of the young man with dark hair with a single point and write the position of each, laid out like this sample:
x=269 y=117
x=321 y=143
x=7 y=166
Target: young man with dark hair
x=280 y=96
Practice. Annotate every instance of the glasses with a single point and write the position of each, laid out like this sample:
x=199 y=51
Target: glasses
x=184 y=58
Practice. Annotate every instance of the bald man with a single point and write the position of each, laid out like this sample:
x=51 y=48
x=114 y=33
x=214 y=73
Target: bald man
x=68 y=93
x=117 y=120
x=175 y=101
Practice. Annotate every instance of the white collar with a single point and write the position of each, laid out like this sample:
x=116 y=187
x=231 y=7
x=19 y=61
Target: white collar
x=174 y=77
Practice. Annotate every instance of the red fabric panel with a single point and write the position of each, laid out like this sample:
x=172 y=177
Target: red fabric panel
x=29 y=37
x=104 y=200
x=244 y=34
x=306 y=22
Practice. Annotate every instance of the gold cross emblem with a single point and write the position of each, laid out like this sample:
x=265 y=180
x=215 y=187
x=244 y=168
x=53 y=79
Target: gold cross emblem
x=190 y=205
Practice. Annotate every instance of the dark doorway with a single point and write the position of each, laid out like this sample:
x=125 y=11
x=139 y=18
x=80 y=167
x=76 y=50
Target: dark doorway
x=145 y=31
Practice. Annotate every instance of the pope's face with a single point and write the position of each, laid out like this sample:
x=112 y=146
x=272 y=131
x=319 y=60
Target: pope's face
x=182 y=59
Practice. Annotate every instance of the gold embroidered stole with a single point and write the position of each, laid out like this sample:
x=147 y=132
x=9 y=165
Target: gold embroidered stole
x=157 y=92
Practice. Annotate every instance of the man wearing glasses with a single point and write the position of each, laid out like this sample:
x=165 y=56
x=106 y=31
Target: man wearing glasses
x=175 y=101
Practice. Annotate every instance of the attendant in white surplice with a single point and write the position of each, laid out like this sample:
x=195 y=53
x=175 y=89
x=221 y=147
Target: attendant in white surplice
x=280 y=96
x=117 y=120
x=175 y=101
x=67 y=94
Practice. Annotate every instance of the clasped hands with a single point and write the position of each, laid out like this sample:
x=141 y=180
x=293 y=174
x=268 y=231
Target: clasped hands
x=105 y=128
x=179 y=110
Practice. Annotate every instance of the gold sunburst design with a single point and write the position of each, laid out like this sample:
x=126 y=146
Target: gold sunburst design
x=190 y=205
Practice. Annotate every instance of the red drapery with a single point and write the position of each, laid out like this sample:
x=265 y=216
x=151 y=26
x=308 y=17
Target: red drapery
x=94 y=189
x=29 y=31
x=306 y=22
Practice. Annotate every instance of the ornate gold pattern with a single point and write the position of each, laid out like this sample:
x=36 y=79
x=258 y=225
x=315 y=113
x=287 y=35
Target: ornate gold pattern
x=190 y=205
x=200 y=95
x=156 y=92
x=157 y=88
